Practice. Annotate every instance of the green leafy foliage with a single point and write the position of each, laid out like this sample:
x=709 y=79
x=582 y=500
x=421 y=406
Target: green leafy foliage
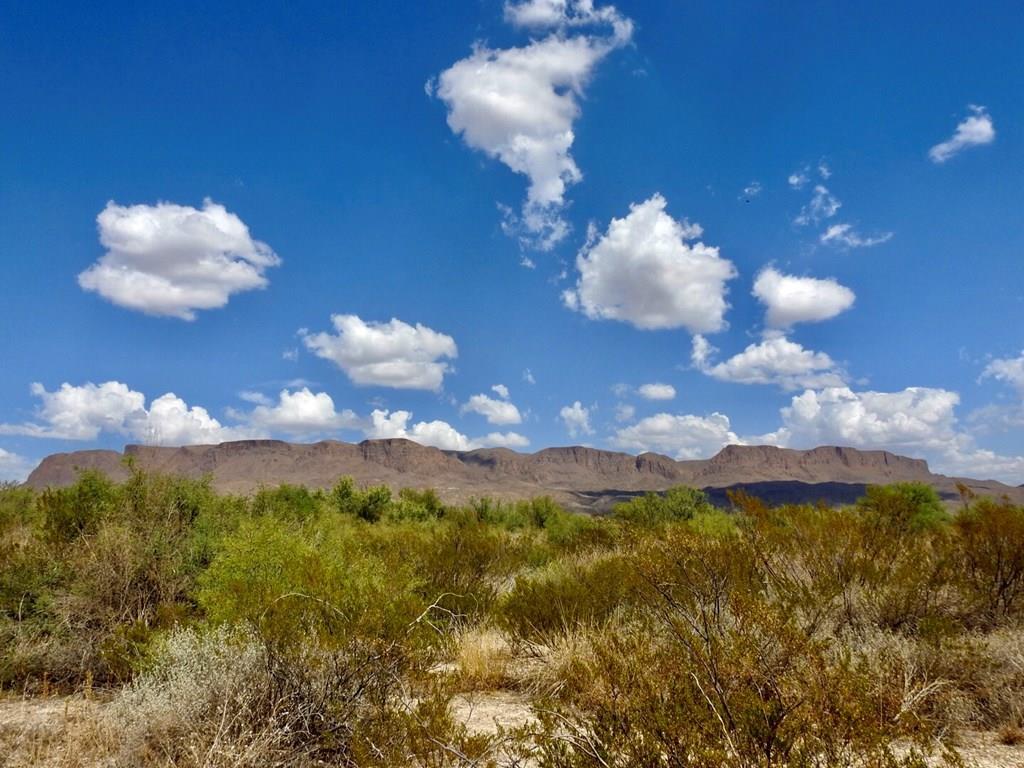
x=669 y=633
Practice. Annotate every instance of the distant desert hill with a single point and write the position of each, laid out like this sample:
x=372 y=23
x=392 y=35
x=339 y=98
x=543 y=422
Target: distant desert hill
x=577 y=476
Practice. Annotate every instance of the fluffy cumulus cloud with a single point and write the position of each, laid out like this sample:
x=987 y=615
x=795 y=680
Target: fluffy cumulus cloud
x=774 y=360
x=913 y=418
x=496 y=411
x=1009 y=370
x=173 y=260
x=1005 y=416
x=301 y=413
x=576 y=418
x=518 y=105
x=643 y=271
x=83 y=412
x=846 y=235
x=13 y=468
x=917 y=421
x=656 y=391
x=973 y=131
x=823 y=205
x=393 y=354
x=789 y=299
x=439 y=434
x=566 y=14
x=680 y=436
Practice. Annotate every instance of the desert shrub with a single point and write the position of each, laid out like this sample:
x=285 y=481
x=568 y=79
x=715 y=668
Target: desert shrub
x=416 y=505
x=569 y=592
x=540 y=511
x=286 y=502
x=992 y=679
x=70 y=512
x=224 y=697
x=369 y=504
x=292 y=584
x=852 y=570
x=101 y=568
x=653 y=509
x=17 y=506
x=464 y=563
x=990 y=561
x=714 y=670
x=903 y=507
x=576 y=532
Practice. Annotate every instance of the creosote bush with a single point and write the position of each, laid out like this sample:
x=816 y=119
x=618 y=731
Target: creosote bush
x=298 y=626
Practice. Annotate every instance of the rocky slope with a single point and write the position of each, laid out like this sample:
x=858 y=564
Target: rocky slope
x=577 y=476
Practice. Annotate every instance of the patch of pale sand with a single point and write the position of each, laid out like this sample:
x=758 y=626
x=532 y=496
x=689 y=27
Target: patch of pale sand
x=483 y=712
x=981 y=749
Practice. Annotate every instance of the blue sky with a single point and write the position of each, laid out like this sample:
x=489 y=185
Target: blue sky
x=647 y=226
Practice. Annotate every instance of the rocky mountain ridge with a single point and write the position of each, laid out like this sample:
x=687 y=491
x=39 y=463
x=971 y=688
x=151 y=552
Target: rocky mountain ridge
x=576 y=475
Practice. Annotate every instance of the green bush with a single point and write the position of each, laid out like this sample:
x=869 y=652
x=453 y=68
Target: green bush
x=577 y=592
x=290 y=583
x=653 y=509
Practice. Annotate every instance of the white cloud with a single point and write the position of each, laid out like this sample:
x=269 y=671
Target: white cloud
x=823 y=205
x=495 y=411
x=14 y=467
x=1009 y=370
x=974 y=130
x=917 y=421
x=576 y=419
x=752 y=190
x=501 y=391
x=80 y=413
x=680 y=436
x=299 y=414
x=774 y=360
x=823 y=170
x=624 y=412
x=643 y=272
x=790 y=299
x=83 y=412
x=439 y=434
x=913 y=418
x=798 y=179
x=845 y=234
x=701 y=353
x=657 y=391
x=1007 y=416
x=562 y=14
x=393 y=354
x=257 y=398
x=170 y=421
x=172 y=260
x=528 y=377
x=518 y=105
x=503 y=440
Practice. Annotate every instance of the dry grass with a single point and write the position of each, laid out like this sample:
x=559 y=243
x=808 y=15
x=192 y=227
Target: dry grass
x=483 y=660
x=56 y=733
x=1011 y=735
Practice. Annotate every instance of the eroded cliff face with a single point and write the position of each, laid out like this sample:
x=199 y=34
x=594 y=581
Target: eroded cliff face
x=575 y=475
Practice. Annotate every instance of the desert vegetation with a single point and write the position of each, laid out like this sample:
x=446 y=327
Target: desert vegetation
x=345 y=626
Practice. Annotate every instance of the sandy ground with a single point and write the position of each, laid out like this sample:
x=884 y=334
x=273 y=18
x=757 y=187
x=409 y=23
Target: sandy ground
x=484 y=712
x=59 y=732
